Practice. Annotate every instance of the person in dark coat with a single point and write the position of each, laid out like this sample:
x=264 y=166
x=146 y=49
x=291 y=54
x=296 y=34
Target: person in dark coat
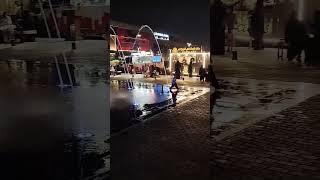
x=295 y=37
x=178 y=69
x=312 y=45
x=190 y=67
x=202 y=73
x=212 y=77
x=257 y=25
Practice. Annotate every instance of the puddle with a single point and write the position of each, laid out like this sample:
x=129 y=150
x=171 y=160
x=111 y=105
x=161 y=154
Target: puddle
x=31 y=89
x=133 y=106
x=254 y=99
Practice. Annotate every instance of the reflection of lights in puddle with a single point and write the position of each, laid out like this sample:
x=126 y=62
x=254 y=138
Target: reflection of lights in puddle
x=84 y=135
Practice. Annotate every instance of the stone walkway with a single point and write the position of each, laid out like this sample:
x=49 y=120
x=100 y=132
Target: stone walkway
x=284 y=146
x=263 y=65
x=171 y=145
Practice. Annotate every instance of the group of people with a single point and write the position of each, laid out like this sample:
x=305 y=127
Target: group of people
x=150 y=71
x=295 y=37
x=147 y=70
x=300 y=38
x=204 y=74
x=7 y=25
x=12 y=26
x=179 y=68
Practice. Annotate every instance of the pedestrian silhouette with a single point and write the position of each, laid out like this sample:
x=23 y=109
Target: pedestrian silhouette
x=174 y=83
x=174 y=97
x=295 y=37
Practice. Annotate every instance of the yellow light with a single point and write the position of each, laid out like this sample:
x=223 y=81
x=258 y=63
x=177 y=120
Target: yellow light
x=204 y=54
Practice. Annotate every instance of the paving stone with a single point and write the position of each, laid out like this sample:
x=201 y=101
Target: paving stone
x=284 y=148
x=183 y=153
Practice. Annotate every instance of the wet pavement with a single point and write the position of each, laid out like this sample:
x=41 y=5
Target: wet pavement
x=273 y=132
x=172 y=144
x=133 y=102
x=242 y=102
x=264 y=65
x=283 y=146
x=61 y=131
x=257 y=86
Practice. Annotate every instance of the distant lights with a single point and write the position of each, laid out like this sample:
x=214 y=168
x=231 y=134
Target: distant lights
x=161 y=36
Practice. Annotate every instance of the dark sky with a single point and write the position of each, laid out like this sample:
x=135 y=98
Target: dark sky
x=188 y=18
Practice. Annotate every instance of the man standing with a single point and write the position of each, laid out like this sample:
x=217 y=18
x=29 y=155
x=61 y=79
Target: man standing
x=178 y=69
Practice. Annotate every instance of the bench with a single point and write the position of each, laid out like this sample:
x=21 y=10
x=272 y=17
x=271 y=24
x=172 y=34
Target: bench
x=29 y=35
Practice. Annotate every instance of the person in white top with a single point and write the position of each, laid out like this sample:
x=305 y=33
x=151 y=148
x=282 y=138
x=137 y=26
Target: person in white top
x=6 y=27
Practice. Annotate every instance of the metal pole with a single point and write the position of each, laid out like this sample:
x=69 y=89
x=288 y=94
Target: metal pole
x=59 y=36
x=59 y=72
x=44 y=18
x=49 y=34
x=54 y=19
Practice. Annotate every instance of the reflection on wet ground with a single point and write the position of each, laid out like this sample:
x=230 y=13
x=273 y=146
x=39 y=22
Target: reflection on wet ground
x=241 y=101
x=37 y=112
x=133 y=106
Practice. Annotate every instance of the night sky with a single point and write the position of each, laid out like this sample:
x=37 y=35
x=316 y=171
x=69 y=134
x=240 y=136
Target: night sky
x=187 y=18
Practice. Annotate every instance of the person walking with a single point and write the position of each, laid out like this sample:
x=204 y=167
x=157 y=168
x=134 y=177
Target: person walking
x=174 y=83
x=202 y=73
x=174 y=97
x=212 y=77
x=230 y=22
x=190 y=67
x=312 y=54
x=257 y=25
x=295 y=37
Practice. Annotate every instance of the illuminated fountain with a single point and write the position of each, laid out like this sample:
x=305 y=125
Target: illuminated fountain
x=153 y=34
x=133 y=47
x=129 y=83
